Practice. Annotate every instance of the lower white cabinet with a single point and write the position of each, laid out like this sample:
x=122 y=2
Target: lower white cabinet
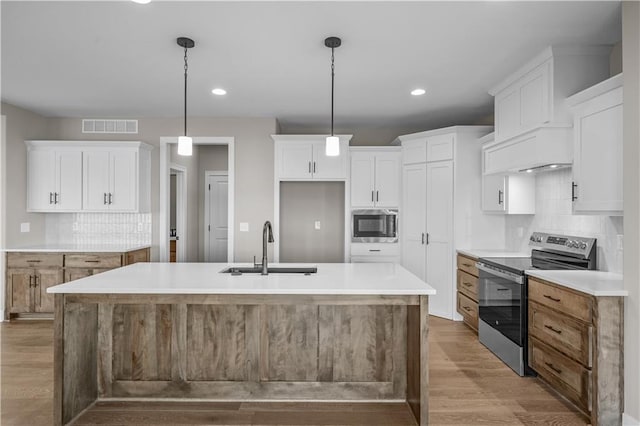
x=509 y=194
x=54 y=178
x=597 y=136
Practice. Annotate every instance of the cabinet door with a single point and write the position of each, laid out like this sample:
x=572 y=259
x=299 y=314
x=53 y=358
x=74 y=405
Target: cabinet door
x=387 y=180
x=41 y=183
x=412 y=227
x=439 y=254
x=295 y=160
x=597 y=168
x=45 y=278
x=95 y=179
x=123 y=180
x=68 y=181
x=362 y=179
x=493 y=193
x=325 y=167
x=20 y=283
x=71 y=274
x=507 y=111
x=535 y=97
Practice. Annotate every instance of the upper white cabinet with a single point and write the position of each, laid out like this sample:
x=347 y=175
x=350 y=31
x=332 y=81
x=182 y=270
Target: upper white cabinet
x=509 y=194
x=91 y=176
x=303 y=157
x=534 y=95
x=597 y=136
x=54 y=178
x=375 y=177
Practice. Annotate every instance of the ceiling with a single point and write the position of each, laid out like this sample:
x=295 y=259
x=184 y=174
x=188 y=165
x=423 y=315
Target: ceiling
x=119 y=59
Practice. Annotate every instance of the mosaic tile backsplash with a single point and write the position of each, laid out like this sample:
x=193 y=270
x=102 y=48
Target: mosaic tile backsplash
x=99 y=228
x=553 y=215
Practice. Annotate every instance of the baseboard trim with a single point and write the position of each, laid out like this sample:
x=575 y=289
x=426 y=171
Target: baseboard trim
x=627 y=420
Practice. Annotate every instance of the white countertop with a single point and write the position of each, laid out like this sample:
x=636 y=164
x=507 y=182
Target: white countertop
x=387 y=279
x=477 y=253
x=77 y=248
x=595 y=283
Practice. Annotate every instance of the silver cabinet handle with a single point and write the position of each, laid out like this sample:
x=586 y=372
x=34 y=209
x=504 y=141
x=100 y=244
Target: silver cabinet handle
x=372 y=196
x=423 y=238
x=51 y=198
x=110 y=198
x=574 y=186
x=55 y=198
x=427 y=241
x=500 y=200
x=104 y=199
x=309 y=166
x=377 y=196
x=314 y=167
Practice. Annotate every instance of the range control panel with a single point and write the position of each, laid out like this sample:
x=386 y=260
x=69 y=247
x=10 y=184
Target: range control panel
x=564 y=243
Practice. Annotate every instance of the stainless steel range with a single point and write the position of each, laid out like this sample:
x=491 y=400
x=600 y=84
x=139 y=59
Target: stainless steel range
x=502 y=325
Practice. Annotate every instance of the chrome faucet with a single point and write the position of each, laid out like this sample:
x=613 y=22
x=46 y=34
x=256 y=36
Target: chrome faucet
x=267 y=236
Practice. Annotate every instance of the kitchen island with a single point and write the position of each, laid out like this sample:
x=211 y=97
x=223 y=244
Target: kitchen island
x=350 y=332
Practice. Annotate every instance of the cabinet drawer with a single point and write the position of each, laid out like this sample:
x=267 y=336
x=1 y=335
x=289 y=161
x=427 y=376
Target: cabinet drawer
x=374 y=249
x=571 y=337
x=468 y=309
x=98 y=260
x=468 y=265
x=567 y=376
x=35 y=260
x=468 y=284
x=136 y=256
x=568 y=302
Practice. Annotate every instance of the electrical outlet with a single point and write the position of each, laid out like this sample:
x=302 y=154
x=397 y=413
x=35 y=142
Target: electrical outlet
x=244 y=226
x=317 y=224
x=620 y=242
x=25 y=227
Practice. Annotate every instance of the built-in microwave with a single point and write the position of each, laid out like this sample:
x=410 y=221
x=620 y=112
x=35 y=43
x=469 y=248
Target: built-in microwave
x=374 y=226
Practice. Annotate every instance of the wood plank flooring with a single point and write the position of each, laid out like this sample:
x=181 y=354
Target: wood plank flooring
x=468 y=386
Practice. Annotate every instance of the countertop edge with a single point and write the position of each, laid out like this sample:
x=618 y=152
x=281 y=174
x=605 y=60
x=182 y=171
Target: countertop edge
x=78 y=249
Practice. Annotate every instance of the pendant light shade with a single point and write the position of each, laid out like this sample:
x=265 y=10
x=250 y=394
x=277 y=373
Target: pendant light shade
x=185 y=143
x=333 y=142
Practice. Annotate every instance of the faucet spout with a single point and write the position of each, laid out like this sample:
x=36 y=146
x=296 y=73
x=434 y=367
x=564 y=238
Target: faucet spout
x=267 y=237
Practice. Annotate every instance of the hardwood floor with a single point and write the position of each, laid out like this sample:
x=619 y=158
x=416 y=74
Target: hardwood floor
x=468 y=386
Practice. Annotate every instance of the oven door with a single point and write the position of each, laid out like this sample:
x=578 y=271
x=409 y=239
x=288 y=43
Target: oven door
x=502 y=302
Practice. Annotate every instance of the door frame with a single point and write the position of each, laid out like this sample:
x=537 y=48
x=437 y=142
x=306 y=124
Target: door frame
x=164 y=171
x=181 y=210
x=3 y=212
x=207 y=195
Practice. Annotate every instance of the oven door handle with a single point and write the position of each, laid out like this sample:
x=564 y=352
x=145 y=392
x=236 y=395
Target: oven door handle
x=510 y=277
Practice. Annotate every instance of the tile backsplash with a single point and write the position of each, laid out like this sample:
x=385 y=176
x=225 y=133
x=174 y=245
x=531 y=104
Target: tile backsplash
x=99 y=228
x=553 y=215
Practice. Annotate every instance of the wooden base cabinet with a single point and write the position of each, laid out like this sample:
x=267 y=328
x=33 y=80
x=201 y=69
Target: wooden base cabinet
x=576 y=346
x=467 y=285
x=29 y=275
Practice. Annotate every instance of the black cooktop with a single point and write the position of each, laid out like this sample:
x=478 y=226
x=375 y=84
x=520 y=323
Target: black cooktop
x=517 y=265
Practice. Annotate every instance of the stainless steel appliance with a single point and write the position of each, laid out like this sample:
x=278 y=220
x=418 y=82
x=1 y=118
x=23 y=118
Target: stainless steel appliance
x=502 y=325
x=374 y=226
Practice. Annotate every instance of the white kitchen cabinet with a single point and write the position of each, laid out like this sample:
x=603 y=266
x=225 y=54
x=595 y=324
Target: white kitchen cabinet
x=509 y=194
x=375 y=252
x=597 y=137
x=441 y=209
x=54 y=178
x=303 y=157
x=112 y=179
x=375 y=177
x=534 y=95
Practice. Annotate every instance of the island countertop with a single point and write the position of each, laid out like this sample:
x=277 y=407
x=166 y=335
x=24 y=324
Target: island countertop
x=205 y=278
x=77 y=248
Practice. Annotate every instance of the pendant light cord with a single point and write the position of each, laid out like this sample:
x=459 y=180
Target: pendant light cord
x=333 y=73
x=186 y=67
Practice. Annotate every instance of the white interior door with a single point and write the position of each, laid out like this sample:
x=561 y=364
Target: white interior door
x=412 y=227
x=217 y=228
x=439 y=237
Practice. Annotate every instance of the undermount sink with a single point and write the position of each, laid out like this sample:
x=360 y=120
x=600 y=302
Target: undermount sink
x=239 y=270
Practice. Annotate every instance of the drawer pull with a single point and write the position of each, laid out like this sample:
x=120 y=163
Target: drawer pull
x=466 y=308
x=550 y=297
x=91 y=261
x=374 y=249
x=555 y=330
x=34 y=261
x=468 y=265
x=554 y=368
x=467 y=284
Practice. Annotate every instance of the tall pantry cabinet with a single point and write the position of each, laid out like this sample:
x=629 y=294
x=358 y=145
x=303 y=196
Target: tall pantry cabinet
x=441 y=208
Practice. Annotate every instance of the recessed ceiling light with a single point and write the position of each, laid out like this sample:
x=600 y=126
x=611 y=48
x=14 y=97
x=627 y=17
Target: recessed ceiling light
x=553 y=166
x=418 y=92
x=218 y=91
x=529 y=170
x=141 y=1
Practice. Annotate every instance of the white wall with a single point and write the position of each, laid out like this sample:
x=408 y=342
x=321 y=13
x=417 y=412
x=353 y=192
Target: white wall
x=553 y=215
x=631 y=149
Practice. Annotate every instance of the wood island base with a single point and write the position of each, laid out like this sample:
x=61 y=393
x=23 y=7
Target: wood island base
x=239 y=347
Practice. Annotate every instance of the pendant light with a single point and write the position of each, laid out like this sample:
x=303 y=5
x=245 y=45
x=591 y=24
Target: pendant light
x=185 y=143
x=332 y=142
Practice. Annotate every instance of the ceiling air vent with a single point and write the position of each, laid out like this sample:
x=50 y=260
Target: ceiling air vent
x=109 y=126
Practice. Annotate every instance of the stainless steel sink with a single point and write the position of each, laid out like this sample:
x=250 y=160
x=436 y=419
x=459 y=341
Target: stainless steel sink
x=239 y=270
